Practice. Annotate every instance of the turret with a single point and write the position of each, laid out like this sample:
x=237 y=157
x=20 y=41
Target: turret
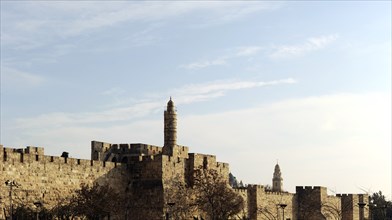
x=277 y=180
x=170 y=129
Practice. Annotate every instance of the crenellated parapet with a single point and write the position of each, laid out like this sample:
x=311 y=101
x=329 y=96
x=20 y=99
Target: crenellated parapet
x=29 y=156
x=206 y=161
x=121 y=152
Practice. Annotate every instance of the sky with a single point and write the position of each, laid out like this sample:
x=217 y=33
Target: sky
x=306 y=84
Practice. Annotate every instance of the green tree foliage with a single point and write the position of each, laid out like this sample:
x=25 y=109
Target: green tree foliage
x=380 y=208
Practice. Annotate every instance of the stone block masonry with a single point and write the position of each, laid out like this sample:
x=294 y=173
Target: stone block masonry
x=49 y=178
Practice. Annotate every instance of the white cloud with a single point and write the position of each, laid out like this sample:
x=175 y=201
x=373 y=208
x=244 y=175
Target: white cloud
x=204 y=64
x=139 y=109
x=248 y=51
x=222 y=60
x=223 y=86
x=286 y=51
x=115 y=91
x=311 y=44
x=59 y=20
x=13 y=78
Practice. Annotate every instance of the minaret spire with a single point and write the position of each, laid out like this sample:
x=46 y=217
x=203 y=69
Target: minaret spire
x=277 y=180
x=170 y=128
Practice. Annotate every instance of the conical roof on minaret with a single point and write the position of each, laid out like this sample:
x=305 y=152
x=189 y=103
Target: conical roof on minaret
x=170 y=103
x=277 y=168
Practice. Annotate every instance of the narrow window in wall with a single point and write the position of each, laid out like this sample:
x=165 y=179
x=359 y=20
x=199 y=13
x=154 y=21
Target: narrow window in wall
x=5 y=156
x=96 y=155
x=36 y=157
x=78 y=161
x=21 y=158
x=51 y=159
x=205 y=163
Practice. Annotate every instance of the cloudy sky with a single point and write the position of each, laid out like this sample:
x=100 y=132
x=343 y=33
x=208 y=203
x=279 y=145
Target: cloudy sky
x=306 y=83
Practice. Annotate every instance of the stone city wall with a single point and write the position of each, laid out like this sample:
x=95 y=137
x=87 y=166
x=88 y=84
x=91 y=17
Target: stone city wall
x=350 y=206
x=49 y=178
x=118 y=152
x=243 y=192
x=269 y=205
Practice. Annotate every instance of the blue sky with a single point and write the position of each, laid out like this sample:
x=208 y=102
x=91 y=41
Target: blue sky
x=305 y=83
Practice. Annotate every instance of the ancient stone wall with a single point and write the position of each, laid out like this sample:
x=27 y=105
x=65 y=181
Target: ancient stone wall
x=181 y=151
x=243 y=192
x=204 y=161
x=264 y=204
x=98 y=149
x=351 y=209
x=309 y=202
x=49 y=178
x=121 y=152
x=331 y=207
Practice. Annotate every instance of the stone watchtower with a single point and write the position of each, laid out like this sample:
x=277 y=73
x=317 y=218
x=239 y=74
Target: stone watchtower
x=170 y=129
x=277 y=180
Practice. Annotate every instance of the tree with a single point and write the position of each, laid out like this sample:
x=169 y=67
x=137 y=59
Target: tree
x=267 y=213
x=214 y=196
x=95 y=202
x=380 y=208
x=180 y=199
x=23 y=211
x=335 y=209
x=64 y=209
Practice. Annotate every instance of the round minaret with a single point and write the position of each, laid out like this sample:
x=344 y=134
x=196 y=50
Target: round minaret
x=170 y=130
x=277 y=180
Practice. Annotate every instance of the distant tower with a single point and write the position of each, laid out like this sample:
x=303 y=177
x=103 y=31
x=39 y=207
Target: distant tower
x=170 y=129
x=277 y=180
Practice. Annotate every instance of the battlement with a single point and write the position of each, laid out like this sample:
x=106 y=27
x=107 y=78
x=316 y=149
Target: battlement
x=183 y=148
x=277 y=193
x=34 y=150
x=255 y=186
x=31 y=155
x=241 y=190
x=120 y=152
x=345 y=195
x=27 y=150
x=265 y=191
x=222 y=165
x=310 y=188
x=135 y=148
